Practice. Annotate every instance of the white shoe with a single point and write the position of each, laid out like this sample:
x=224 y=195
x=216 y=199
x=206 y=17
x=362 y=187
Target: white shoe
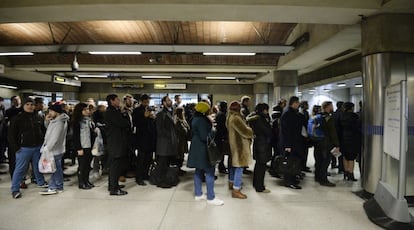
x=48 y=192
x=202 y=197
x=216 y=201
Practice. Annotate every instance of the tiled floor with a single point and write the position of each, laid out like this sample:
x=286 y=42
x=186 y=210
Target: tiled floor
x=313 y=207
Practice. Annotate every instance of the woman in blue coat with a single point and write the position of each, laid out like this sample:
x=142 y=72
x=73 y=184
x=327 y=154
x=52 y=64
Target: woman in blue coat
x=198 y=159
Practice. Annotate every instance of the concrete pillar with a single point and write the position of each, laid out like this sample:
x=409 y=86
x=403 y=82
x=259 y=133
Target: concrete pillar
x=285 y=84
x=261 y=92
x=387 y=49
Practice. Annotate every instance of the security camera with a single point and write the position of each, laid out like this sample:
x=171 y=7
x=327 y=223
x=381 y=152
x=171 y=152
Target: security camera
x=75 y=65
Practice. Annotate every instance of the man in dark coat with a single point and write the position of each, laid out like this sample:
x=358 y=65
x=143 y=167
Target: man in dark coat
x=118 y=128
x=291 y=138
x=337 y=116
x=145 y=139
x=166 y=149
x=10 y=113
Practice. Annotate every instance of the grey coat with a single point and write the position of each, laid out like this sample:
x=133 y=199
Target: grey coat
x=55 y=138
x=166 y=135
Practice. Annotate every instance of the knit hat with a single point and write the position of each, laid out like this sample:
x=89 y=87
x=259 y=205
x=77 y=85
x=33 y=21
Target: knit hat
x=235 y=106
x=202 y=107
x=28 y=100
x=56 y=107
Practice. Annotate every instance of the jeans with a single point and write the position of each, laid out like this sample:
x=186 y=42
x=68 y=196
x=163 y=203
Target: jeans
x=235 y=176
x=198 y=178
x=23 y=157
x=56 y=180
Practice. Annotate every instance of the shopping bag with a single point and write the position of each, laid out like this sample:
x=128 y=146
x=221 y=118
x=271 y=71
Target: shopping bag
x=47 y=163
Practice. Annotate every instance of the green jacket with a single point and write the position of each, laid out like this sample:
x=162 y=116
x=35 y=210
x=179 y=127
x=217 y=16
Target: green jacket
x=331 y=138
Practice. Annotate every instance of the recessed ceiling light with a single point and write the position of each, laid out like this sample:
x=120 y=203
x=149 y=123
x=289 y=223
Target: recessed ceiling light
x=8 y=86
x=221 y=78
x=156 y=77
x=312 y=90
x=16 y=53
x=92 y=75
x=358 y=85
x=114 y=53
x=341 y=84
x=228 y=54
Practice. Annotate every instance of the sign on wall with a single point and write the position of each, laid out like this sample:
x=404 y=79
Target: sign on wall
x=392 y=121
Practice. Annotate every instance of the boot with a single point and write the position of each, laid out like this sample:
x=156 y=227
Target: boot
x=237 y=194
x=345 y=175
x=230 y=185
x=351 y=177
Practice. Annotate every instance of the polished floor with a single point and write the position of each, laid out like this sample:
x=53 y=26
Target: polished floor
x=313 y=207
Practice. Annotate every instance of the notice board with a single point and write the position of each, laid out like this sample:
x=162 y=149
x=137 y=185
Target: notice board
x=392 y=121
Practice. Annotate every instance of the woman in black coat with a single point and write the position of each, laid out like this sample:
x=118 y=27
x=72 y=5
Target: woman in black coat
x=351 y=139
x=262 y=145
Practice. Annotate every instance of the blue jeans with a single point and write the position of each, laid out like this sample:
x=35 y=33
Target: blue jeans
x=235 y=176
x=198 y=178
x=56 y=180
x=23 y=157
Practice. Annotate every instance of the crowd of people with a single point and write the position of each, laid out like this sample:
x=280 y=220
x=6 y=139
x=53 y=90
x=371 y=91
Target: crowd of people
x=127 y=138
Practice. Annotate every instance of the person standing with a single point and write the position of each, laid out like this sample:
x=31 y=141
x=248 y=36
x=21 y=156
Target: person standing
x=3 y=132
x=240 y=138
x=291 y=138
x=183 y=132
x=178 y=102
x=262 y=145
x=54 y=143
x=25 y=136
x=198 y=157
x=304 y=114
x=166 y=149
x=118 y=129
x=338 y=163
x=245 y=111
x=10 y=113
x=326 y=145
x=222 y=136
x=143 y=119
x=351 y=143
x=83 y=138
x=128 y=108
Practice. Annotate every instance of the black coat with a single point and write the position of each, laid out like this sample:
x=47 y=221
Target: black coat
x=291 y=128
x=26 y=130
x=145 y=137
x=118 y=129
x=166 y=135
x=263 y=136
x=351 y=133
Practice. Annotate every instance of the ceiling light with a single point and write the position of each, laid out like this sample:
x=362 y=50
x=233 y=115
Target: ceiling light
x=326 y=90
x=114 y=52
x=312 y=90
x=92 y=75
x=311 y=93
x=16 y=53
x=341 y=84
x=358 y=85
x=156 y=77
x=221 y=78
x=8 y=87
x=228 y=54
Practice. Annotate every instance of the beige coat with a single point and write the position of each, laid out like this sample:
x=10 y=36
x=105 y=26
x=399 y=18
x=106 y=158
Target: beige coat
x=240 y=139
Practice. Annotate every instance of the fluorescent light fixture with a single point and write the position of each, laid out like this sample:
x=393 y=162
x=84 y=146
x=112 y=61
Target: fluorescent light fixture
x=312 y=90
x=8 y=87
x=299 y=92
x=358 y=85
x=341 y=84
x=228 y=54
x=311 y=93
x=156 y=77
x=16 y=53
x=92 y=75
x=326 y=90
x=115 y=52
x=76 y=78
x=221 y=78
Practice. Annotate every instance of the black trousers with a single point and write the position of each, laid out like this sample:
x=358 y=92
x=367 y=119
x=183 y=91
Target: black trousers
x=144 y=161
x=288 y=177
x=258 y=176
x=305 y=157
x=322 y=161
x=163 y=165
x=116 y=167
x=12 y=161
x=84 y=166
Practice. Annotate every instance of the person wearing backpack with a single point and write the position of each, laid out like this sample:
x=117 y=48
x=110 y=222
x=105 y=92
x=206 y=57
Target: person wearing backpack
x=325 y=141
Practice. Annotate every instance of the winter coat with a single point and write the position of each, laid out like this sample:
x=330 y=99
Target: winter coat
x=166 y=135
x=263 y=136
x=83 y=134
x=26 y=130
x=351 y=133
x=145 y=137
x=222 y=134
x=240 y=138
x=331 y=138
x=117 y=130
x=201 y=128
x=55 y=138
x=291 y=128
x=183 y=129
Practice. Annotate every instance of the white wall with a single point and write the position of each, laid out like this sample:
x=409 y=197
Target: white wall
x=319 y=97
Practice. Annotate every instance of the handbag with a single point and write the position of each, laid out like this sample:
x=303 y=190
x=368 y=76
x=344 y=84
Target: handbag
x=287 y=164
x=213 y=151
x=47 y=163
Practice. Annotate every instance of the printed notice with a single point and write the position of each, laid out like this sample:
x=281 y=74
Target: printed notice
x=392 y=121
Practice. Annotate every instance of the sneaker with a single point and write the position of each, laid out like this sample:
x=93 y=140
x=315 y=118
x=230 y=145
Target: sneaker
x=202 y=197
x=216 y=201
x=45 y=185
x=48 y=192
x=59 y=190
x=16 y=195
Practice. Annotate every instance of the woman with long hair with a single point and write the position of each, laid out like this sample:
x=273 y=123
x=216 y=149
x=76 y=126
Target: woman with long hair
x=183 y=130
x=83 y=137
